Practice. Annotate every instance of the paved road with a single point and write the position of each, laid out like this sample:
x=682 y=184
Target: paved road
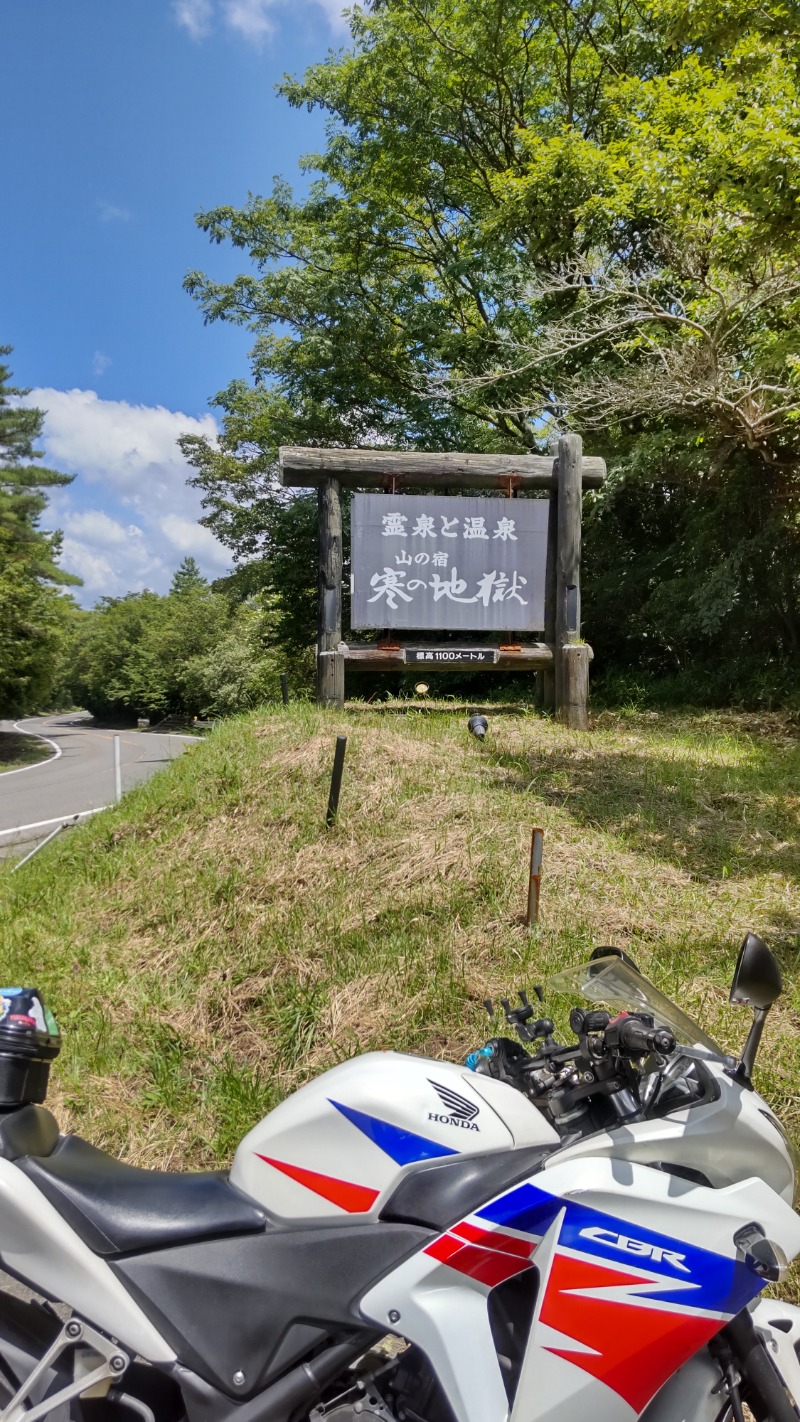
x=79 y=776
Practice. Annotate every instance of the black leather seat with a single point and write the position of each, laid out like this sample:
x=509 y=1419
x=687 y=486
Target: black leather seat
x=118 y=1209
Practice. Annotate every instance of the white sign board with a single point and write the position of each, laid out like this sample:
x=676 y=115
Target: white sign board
x=423 y=562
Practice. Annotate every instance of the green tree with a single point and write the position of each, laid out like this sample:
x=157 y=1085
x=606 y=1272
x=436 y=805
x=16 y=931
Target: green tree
x=242 y=669
x=195 y=650
x=33 y=614
x=187 y=578
x=521 y=220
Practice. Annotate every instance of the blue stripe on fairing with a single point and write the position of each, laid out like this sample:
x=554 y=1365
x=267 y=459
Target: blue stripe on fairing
x=717 y=1283
x=403 y=1146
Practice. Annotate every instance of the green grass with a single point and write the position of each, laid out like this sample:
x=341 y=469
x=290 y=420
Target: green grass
x=17 y=750
x=209 y=945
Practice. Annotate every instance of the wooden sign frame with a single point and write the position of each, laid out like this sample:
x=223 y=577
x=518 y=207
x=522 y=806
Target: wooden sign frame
x=562 y=658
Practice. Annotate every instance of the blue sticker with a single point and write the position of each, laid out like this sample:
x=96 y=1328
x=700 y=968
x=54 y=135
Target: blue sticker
x=403 y=1146
x=715 y=1282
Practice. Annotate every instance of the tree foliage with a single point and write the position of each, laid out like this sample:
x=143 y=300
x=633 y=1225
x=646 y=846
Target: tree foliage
x=33 y=613
x=191 y=652
x=578 y=214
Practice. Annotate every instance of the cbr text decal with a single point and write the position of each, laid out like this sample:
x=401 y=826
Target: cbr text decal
x=635 y=1246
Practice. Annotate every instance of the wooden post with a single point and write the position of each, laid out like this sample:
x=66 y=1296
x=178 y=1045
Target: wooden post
x=548 y=682
x=535 y=877
x=330 y=667
x=568 y=588
x=336 y=781
x=574 y=710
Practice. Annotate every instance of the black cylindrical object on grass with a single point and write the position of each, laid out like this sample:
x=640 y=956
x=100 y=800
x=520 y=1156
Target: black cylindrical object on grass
x=285 y=688
x=478 y=725
x=336 y=781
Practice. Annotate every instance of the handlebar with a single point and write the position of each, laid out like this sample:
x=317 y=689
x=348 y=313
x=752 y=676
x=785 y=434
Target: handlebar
x=605 y=1065
x=629 y=1037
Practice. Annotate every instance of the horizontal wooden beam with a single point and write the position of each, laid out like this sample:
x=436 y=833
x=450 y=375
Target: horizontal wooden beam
x=533 y=656
x=304 y=468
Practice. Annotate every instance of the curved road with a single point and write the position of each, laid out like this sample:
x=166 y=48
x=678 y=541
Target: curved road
x=79 y=776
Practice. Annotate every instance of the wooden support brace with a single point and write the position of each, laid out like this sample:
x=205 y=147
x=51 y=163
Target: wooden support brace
x=302 y=468
x=330 y=666
x=548 y=677
x=569 y=683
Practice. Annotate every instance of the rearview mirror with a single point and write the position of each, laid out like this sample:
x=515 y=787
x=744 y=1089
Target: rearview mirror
x=757 y=977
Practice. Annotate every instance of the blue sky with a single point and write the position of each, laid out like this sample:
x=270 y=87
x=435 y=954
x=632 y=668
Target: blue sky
x=122 y=119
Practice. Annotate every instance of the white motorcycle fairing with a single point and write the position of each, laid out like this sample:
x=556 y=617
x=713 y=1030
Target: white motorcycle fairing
x=637 y=1271
x=342 y=1143
x=37 y=1245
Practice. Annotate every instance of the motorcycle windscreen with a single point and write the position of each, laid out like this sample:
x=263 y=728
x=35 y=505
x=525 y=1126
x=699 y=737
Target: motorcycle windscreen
x=615 y=984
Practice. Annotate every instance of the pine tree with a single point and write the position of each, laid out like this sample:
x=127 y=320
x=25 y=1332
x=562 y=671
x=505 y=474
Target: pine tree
x=32 y=611
x=22 y=484
x=187 y=578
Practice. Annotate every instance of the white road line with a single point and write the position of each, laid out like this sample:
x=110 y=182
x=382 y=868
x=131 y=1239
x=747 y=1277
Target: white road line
x=39 y=763
x=59 y=819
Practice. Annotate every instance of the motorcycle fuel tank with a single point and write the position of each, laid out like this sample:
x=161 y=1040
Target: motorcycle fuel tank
x=343 y=1142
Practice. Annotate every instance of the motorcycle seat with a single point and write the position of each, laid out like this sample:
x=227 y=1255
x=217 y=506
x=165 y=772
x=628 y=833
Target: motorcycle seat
x=120 y=1209
x=27 y=1130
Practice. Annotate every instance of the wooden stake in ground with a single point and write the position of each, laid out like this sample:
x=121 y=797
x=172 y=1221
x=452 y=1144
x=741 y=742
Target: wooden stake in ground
x=336 y=781
x=535 y=877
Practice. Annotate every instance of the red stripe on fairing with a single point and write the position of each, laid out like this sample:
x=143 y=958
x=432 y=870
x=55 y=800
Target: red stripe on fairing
x=637 y=1345
x=444 y=1248
x=356 y=1199
x=486 y=1266
x=494 y=1239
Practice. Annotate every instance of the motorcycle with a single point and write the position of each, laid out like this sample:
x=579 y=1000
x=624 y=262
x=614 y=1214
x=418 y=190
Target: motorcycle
x=551 y=1230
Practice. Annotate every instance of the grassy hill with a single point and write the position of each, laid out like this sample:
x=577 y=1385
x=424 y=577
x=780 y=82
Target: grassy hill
x=208 y=945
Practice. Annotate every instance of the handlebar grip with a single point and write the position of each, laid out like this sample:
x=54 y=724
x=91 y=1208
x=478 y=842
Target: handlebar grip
x=639 y=1040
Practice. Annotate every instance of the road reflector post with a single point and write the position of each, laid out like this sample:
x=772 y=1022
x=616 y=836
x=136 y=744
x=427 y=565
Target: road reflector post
x=535 y=877
x=117 y=772
x=73 y=820
x=336 y=781
x=284 y=688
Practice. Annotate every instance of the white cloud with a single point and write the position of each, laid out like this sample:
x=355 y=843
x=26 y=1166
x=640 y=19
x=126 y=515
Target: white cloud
x=99 y=578
x=194 y=16
x=252 y=19
x=192 y=538
x=335 y=14
x=110 y=212
x=100 y=363
x=130 y=516
x=96 y=526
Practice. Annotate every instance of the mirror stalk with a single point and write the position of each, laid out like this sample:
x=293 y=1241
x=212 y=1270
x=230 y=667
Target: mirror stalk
x=744 y=1070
